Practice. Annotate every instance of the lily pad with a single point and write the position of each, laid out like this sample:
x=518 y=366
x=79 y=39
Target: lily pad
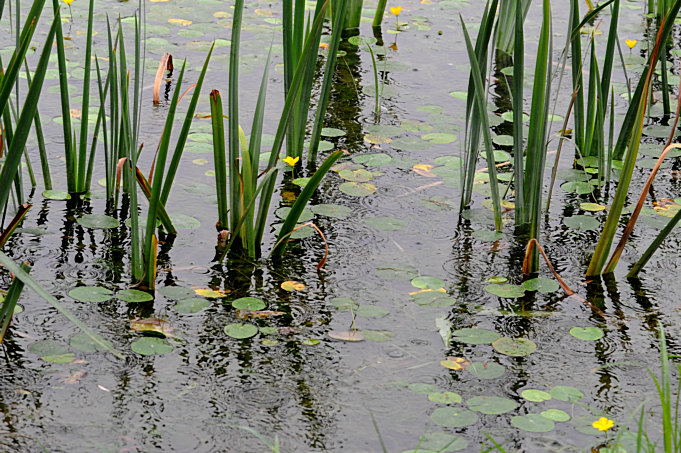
x=439 y=442
x=332 y=132
x=357 y=175
x=445 y=397
x=378 y=335
x=397 y=271
x=543 y=285
x=578 y=187
x=422 y=388
x=453 y=417
x=134 y=296
x=83 y=342
x=385 y=223
x=48 y=348
x=591 y=207
x=349 y=335
x=176 y=292
x=357 y=189
x=371 y=311
x=533 y=423
x=491 y=405
x=372 y=160
x=536 y=396
x=582 y=222
x=566 y=393
x=556 y=415
x=331 y=210
x=487 y=235
x=248 y=303
x=472 y=335
x=425 y=282
x=56 y=195
x=344 y=303
x=587 y=333
x=151 y=346
x=439 y=137
x=486 y=370
x=100 y=221
x=514 y=347
x=154 y=326
x=506 y=290
x=91 y=294
x=241 y=331
x=191 y=305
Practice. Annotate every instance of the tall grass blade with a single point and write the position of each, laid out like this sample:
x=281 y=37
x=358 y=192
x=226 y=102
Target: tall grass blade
x=218 y=126
x=10 y=302
x=521 y=217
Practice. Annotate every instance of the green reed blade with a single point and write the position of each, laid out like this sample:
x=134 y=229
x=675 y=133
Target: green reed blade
x=184 y=132
x=489 y=149
x=85 y=109
x=577 y=82
x=652 y=248
x=161 y=210
x=218 y=126
x=522 y=212
x=380 y=11
x=10 y=302
x=35 y=286
x=23 y=125
x=233 y=115
x=103 y=89
x=42 y=150
x=329 y=71
x=300 y=203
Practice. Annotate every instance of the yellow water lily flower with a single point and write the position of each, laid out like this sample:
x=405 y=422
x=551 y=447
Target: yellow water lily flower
x=292 y=161
x=68 y=2
x=603 y=424
x=631 y=43
x=396 y=10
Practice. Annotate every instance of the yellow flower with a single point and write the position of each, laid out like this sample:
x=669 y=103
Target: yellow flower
x=396 y=10
x=630 y=42
x=68 y=2
x=292 y=161
x=603 y=424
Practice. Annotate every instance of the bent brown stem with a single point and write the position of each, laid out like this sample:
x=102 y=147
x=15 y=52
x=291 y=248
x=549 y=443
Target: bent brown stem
x=634 y=216
x=568 y=291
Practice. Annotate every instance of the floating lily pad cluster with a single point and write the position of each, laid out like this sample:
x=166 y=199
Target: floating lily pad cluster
x=500 y=288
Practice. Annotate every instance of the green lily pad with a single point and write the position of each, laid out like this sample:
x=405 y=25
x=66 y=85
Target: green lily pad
x=184 y=222
x=372 y=160
x=134 y=296
x=301 y=182
x=397 y=271
x=151 y=346
x=506 y=290
x=357 y=189
x=536 y=395
x=514 y=347
x=59 y=358
x=425 y=282
x=487 y=235
x=439 y=137
x=248 y=303
x=56 y=195
x=191 y=305
x=533 y=423
x=566 y=393
x=445 y=397
x=578 y=187
x=582 y=222
x=543 y=285
x=332 y=132
x=410 y=144
x=486 y=370
x=82 y=342
x=503 y=140
x=591 y=207
x=371 y=311
x=357 y=175
x=344 y=303
x=439 y=442
x=497 y=279
x=97 y=221
x=48 y=348
x=556 y=415
x=176 y=292
x=421 y=388
x=473 y=335
x=378 y=335
x=91 y=294
x=331 y=210
x=453 y=417
x=241 y=331
x=385 y=223
x=491 y=405
x=587 y=333
x=284 y=211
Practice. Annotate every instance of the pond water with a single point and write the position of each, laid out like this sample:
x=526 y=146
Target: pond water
x=295 y=381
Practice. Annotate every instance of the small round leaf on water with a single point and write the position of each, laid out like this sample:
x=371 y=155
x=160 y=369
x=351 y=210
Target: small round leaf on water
x=472 y=335
x=331 y=210
x=134 y=296
x=506 y=290
x=191 y=305
x=453 y=417
x=97 y=221
x=491 y=405
x=535 y=395
x=425 y=282
x=332 y=132
x=310 y=342
x=241 y=331
x=82 y=342
x=444 y=397
x=396 y=271
x=150 y=346
x=372 y=160
x=582 y=222
x=587 y=333
x=248 y=303
x=486 y=370
x=455 y=363
x=357 y=189
x=385 y=223
x=514 y=347
x=543 y=285
x=56 y=195
x=533 y=423
x=48 y=348
x=591 y=207
x=349 y=335
x=566 y=393
x=556 y=415
x=371 y=311
x=422 y=388
x=91 y=294
x=292 y=285
x=497 y=279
